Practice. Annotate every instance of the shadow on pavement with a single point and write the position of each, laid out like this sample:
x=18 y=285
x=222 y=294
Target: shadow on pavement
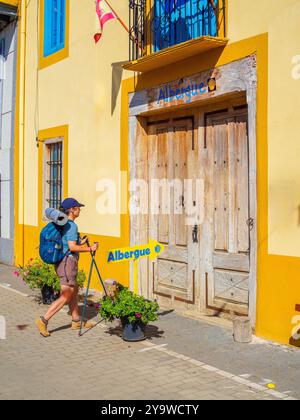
x=116 y=330
x=90 y=311
x=62 y=328
x=164 y=313
x=151 y=331
x=83 y=332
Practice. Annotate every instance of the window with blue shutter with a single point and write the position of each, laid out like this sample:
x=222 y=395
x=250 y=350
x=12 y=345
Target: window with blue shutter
x=54 y=26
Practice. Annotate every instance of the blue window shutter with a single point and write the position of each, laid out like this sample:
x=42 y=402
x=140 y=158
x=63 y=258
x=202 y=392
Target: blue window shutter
x=54 y=26
x=62 y=22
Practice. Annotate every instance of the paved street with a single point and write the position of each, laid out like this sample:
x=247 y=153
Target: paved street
x=100 y=365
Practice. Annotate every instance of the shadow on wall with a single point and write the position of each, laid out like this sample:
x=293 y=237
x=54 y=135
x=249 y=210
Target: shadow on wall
x=296 y=341
x=172 y=72
x=117 y=74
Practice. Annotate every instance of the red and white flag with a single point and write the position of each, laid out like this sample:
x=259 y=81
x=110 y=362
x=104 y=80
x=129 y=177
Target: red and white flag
x=105 y=14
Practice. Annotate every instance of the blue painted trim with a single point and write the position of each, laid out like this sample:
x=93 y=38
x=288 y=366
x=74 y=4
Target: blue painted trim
x=54 y=26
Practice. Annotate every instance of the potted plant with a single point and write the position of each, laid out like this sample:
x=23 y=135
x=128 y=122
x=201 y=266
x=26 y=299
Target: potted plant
x=39 y=275
x=134 y=311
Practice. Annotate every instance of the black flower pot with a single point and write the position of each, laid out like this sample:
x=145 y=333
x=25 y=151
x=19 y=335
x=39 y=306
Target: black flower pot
x=48 y=295
x=134 y=331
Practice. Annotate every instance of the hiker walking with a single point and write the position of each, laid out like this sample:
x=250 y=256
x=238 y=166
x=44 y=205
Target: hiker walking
x=67 y=269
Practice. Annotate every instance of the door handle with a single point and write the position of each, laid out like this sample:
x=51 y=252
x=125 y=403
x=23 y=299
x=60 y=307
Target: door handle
x=182 y=201
x=195 y=234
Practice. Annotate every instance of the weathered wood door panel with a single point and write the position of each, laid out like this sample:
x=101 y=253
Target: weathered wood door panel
x=228 y=209
x=171 y=161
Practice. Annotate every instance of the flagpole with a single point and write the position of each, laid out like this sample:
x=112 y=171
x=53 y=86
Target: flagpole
x=213 y=5
x=122 y=23
x=212 y=2
x=117 y=16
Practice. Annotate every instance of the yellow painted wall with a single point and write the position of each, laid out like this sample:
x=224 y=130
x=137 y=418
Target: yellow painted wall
x=279 y=273
x=280 y=18
x=77 y=92
x=81 y=92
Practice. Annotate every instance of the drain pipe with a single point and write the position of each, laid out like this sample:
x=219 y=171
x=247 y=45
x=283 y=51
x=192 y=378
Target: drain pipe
x=22 y=46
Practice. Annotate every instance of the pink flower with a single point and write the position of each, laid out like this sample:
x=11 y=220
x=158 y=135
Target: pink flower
x=138 y=315
x=17 y=274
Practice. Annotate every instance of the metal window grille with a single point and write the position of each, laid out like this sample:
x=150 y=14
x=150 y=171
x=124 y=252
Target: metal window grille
x=172 y=22
x=137 y=29
x=54 y=174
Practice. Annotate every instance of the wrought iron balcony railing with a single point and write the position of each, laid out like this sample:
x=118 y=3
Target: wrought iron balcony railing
x=172 y=22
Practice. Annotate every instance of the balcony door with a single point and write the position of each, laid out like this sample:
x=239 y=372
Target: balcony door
x=177 y=21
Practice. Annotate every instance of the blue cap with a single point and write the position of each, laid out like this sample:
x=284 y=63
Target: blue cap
x=69 y=203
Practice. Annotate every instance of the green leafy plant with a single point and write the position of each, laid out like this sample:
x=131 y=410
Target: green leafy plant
x=128 y=306
x=37 y=274
x=81 y=278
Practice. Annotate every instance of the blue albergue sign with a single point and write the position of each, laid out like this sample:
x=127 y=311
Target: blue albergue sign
x=128 y=255
x=150 y=250
x=169 y=93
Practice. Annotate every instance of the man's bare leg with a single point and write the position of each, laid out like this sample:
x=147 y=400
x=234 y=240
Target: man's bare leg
x=73 y=305
x=74 y=311
x=66 y=296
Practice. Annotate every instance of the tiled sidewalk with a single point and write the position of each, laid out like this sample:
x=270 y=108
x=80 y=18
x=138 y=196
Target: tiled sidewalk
x=97 y=365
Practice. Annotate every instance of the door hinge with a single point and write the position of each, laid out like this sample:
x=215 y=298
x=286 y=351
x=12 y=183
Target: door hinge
x=250 y=223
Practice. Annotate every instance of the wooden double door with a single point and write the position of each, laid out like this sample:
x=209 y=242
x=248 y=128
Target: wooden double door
x=199 y=208
x=228 y=222
x=171 y=163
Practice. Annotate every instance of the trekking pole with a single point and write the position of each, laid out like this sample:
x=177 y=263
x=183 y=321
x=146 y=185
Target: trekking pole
x=86 y=297
x=93 y=263
x=97 y=269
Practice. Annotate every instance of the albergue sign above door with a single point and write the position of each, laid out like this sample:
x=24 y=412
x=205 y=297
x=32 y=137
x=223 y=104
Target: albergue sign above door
x=171 y=93
x=236 y=76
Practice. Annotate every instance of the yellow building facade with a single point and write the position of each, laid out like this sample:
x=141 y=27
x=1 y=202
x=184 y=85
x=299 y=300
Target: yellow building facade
x=171 y=107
